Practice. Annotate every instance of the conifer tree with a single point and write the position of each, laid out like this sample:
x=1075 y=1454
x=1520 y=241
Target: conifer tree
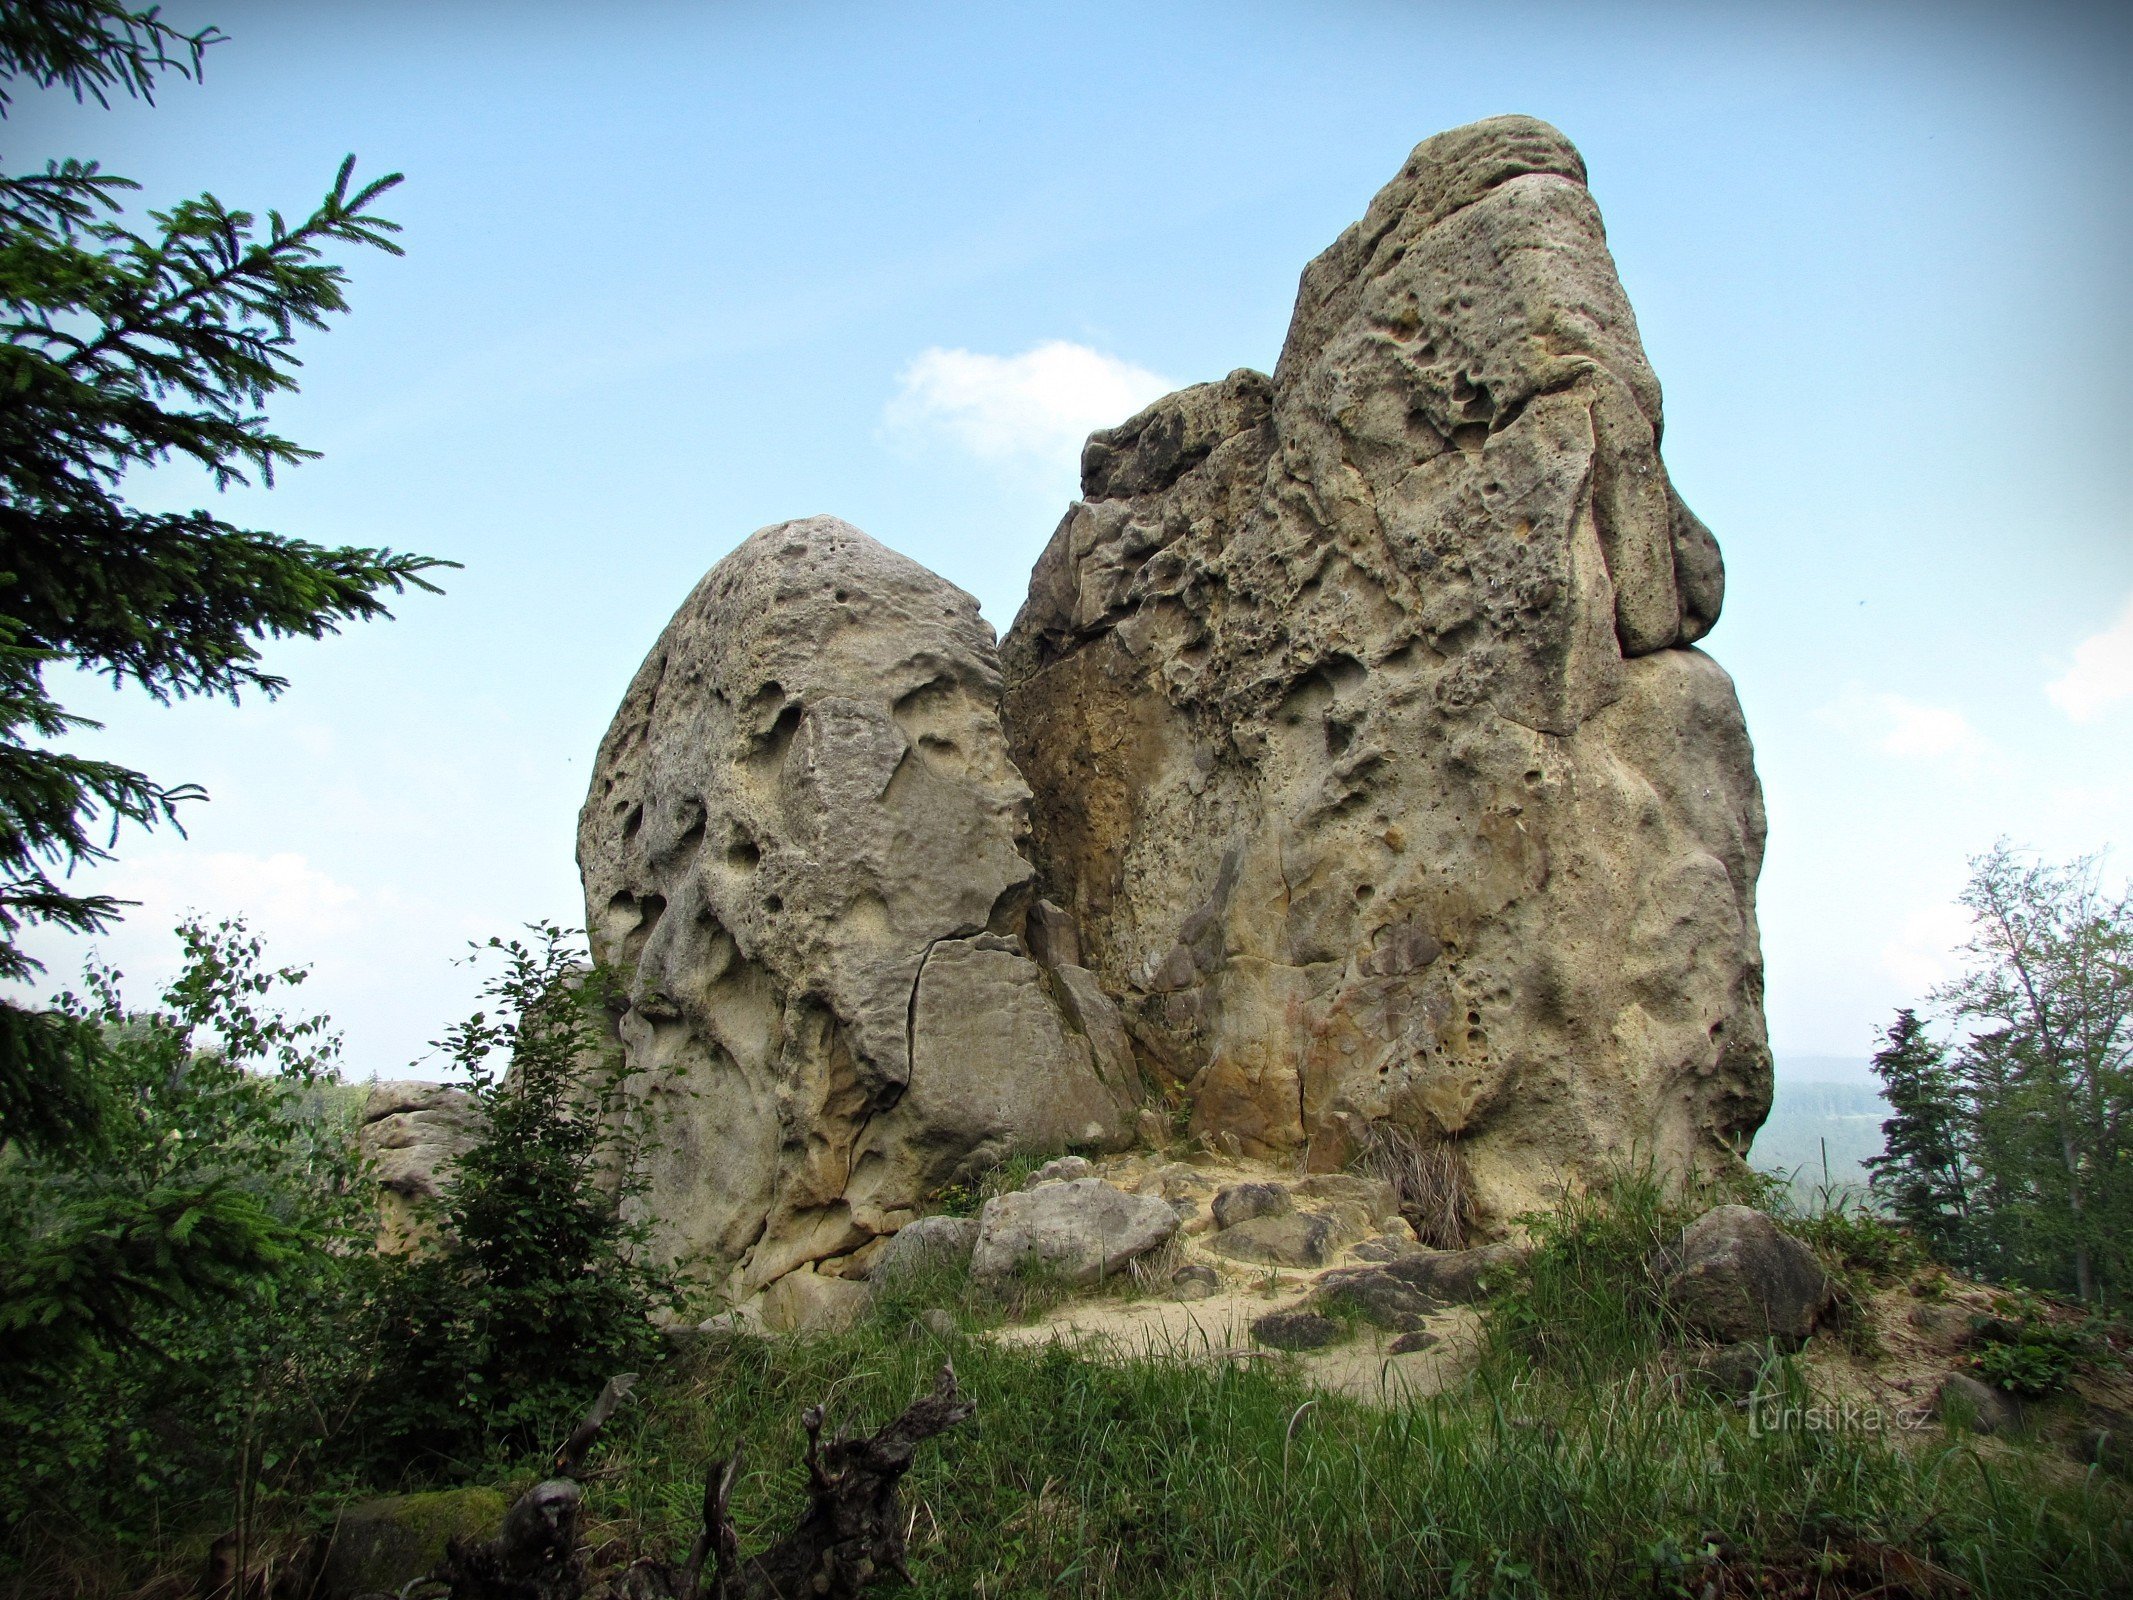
x=1922 y=1173
x=122 y=350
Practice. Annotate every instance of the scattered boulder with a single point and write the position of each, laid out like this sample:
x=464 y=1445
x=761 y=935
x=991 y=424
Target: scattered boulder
x=1410 y=1343
x=1079 y=1232
x=413 y=1133
x=1368 y=746
x=931 y=1244
x=1296 y=1330
x=801 y=850
x=1377 y=1296
x=1948 y=1326
x=1061 y=1169
x=807 y=1302
x=1371 y=1198
x=1727 y=1371
x=1738 y=1277
x=1458 y=1277
x=1194 y=1281
x=1387 y=1247
x=1241 y=1202
x=1964 y=1401
x=379 y=1546
x=1292 y=1239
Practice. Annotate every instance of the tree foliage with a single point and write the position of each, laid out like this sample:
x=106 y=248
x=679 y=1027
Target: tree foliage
x=2010 y=1148
x=1923 y=1174
x=176 y=1288
x=123 y=350
x=539 y=1287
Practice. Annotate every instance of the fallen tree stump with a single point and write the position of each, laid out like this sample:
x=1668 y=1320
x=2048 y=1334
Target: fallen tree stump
x=534 y=1555
x=851 y=1533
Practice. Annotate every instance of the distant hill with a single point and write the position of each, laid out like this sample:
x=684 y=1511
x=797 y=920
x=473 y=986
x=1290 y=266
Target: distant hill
x=1824 y=1106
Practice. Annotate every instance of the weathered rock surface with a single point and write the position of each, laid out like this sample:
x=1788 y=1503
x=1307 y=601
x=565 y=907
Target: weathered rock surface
x=806 y=1302
x=1371 y=759
x=1967 y=1402
x=1289 y=1239
x=803 y=849
x=1739 y=1277
x=413 y=1132
x=1076 y=1232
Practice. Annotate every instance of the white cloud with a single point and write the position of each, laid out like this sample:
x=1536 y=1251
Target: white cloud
x=1923 y=953
x=2102 y=673
x=282 y=892
x=1035 y=408
x=1900 y=727
x=301 y=912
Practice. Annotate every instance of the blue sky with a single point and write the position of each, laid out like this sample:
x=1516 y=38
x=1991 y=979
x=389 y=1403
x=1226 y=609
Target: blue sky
x=676 y=271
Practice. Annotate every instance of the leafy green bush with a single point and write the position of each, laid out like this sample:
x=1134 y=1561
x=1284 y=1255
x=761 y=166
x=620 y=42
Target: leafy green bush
x=2025 y=1352
x=184 y=1314
x=539 y=1289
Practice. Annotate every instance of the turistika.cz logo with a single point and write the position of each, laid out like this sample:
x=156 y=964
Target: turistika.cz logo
x=1771 y=1413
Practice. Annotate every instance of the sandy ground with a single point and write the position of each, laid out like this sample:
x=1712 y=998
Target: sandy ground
x=1219 y=1329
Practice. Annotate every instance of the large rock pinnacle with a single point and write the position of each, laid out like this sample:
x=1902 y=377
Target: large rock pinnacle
x=802 y=849
x=1367 y=744
x=1352 y=733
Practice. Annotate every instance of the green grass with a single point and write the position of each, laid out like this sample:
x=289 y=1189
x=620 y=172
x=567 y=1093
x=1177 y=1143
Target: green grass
x=1160 y=1478
x=1567 y=1467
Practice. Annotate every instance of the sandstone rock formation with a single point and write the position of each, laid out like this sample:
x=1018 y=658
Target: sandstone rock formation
x=413 y=1132
x=1381 y=801
x=803 y=849
x=1371 y=757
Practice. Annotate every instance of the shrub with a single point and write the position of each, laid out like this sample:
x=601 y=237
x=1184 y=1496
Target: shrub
x=540 y=1288
x=184 y=1315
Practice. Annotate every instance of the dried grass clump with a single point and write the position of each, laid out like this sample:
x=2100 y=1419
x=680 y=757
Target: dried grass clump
x=1428 y=1177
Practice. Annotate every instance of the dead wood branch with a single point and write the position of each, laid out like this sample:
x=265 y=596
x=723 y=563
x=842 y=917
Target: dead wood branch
x=852 y=1532
x=534 y=1555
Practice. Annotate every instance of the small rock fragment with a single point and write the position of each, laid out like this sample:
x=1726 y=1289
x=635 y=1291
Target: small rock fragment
x=1241 y=1202
x=1964 y=1401
x=1194 y=1281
